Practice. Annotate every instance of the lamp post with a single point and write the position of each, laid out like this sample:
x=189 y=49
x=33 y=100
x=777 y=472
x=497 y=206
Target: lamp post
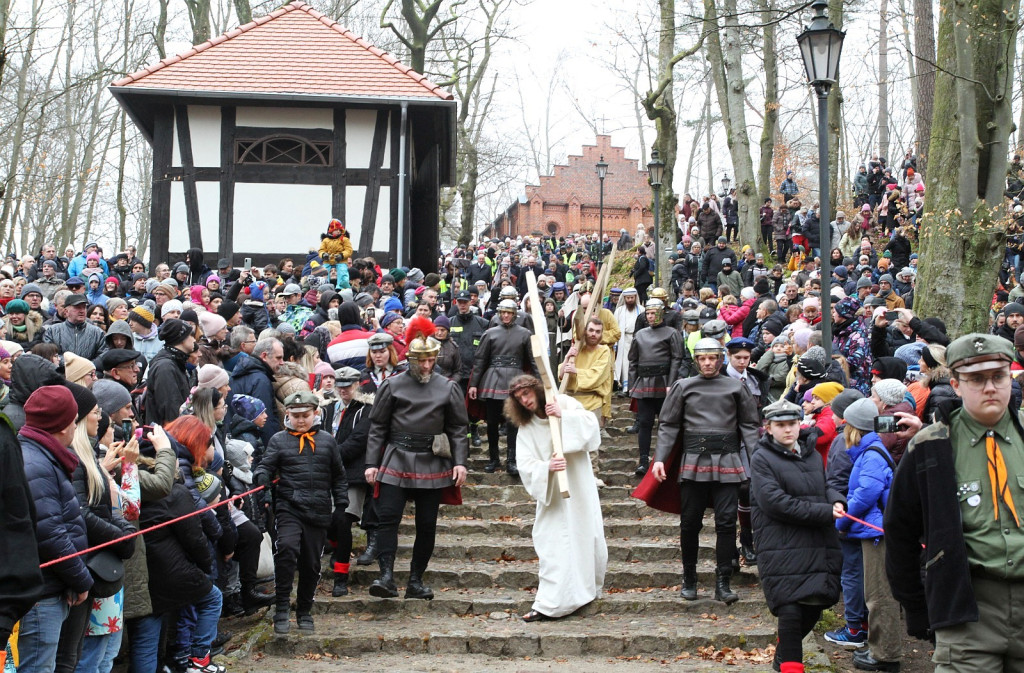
x=821 y=44
x=726 y=183
x=602 y=173
x=655 y=172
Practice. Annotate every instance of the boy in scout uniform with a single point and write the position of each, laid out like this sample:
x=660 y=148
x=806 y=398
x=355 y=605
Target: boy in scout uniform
x=960 y=489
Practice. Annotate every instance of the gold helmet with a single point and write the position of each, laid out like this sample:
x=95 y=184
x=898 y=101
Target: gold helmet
x=659 y=293
x=422 y=343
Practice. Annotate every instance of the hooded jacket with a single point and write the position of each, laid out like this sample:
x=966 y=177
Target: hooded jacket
x=168 y=386
x=29 y=372
x=197 y=271
x=253 y=377
x=870 y=481
x=32 y=332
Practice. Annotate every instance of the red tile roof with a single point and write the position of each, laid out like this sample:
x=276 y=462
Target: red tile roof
x=293 y=50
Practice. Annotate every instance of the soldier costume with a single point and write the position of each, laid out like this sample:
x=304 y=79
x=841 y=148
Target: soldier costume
x=504 y=353
x=672 y=317
x=409 y=411
x=654 y=358
x=714 y=421
x=466 y=331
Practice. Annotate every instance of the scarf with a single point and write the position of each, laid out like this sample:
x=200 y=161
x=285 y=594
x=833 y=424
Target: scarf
x=998 y=478
x=303 y=436
x=67 y=458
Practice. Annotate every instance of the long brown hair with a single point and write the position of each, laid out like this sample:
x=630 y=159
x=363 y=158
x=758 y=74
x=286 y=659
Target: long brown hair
x=515 y=412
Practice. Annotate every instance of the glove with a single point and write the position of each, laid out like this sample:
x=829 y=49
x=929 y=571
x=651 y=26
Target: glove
x=918 y=626
x=262 y=479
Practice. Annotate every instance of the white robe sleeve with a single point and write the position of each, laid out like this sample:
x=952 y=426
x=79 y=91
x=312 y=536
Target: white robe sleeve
x=533 y=457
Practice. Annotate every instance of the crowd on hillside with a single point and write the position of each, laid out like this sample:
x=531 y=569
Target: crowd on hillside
x=137 y=393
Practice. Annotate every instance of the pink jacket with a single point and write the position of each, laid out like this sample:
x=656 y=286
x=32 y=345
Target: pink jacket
x=735 y=315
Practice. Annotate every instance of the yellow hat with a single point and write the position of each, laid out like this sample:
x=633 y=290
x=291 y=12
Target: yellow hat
x=826 y=392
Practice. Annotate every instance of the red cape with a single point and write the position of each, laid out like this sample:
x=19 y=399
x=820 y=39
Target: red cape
x=662 y=496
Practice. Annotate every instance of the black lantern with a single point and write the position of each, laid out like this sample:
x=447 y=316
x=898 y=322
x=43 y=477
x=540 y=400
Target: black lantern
x=821 y=44
x=655 y=169
x=726 y=183
x=602 y=173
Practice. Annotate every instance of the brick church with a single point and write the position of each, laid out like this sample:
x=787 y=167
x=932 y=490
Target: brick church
x=568 y=201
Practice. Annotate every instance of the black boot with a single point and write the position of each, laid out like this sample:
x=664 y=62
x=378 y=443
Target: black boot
x=477 y=442
x=415 y=588
x=510 y=465
x=233 y=605
x=747 y=547
x=253 y=601
x=689 y=589
x=494 y=463
x=384 y=586
x=340 y=585
x=633 y=429
x=722 y=591
x=369 y=554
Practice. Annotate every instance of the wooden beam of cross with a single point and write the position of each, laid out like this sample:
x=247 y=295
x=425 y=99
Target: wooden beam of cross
x=595 y=303
x=539 y=345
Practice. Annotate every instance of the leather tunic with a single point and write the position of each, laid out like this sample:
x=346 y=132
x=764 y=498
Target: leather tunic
x=504 y=353
x=654 y=357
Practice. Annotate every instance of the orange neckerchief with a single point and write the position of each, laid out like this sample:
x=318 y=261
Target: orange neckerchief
x=997 y=478
x=303 y=436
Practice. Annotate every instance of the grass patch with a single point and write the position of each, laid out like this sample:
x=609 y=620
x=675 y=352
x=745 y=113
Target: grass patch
x=829 y=621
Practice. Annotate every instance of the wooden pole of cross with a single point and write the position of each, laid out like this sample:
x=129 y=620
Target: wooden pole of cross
x=539 y=345
x=595 y=303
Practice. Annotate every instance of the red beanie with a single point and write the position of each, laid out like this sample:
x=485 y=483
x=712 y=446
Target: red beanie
x=51 y=409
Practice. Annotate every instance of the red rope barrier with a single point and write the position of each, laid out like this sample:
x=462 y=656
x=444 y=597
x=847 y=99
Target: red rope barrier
x=863 y=523
x=146 y=530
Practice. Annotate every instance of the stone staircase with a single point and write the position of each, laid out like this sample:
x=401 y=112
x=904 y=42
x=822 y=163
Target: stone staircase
x=484 y=575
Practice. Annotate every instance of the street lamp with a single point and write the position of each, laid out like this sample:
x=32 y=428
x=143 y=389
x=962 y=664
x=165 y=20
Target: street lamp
x=821 y=44
x=726 y=183
x=602 y=173
x=655 y=172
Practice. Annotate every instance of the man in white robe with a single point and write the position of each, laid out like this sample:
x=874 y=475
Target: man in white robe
x=625 y=314
x=568 y=533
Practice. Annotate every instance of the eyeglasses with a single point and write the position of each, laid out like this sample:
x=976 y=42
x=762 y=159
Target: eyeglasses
x=977 y=383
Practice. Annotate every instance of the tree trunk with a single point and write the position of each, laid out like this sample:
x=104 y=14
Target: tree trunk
x=243 y=10
x=160 y=30
x=666 y=141
x=422 y=26
x=726 y=64
x=924 y=50
x=199 y=16
x=964 y=223
x=883 y=82
x=771 y=100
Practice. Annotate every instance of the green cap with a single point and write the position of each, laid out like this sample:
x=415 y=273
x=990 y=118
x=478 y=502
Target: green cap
x=301 y=399
x=978 y=352
x=783 y=410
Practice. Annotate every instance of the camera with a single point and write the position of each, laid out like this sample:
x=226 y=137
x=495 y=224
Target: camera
x=892 y=315
x=886 y=424
x=126 y=429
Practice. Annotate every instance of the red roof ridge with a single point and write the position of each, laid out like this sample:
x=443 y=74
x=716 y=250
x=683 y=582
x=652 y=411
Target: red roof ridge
x=297 y=5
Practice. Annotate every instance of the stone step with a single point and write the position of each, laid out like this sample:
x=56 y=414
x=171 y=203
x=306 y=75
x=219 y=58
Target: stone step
x=516 y=492
x=523 y=574
x=463 y=602
x=497 y=510
x=624 y=478
x=649 y=528
x=621 y=462
x=492 y=548
x=503 y=634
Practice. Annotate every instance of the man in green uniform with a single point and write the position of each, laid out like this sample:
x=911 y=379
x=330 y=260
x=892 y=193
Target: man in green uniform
x=960 y=489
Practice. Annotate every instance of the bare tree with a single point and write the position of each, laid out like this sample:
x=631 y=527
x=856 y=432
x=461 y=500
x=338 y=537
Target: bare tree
x=924 y=51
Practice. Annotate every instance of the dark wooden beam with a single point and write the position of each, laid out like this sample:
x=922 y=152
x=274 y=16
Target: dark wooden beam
x=372 y=199
x=287 y=175
x=195 y=232
x=396 y=217
x=339 y=173
x=160 y=204
x=227 y=181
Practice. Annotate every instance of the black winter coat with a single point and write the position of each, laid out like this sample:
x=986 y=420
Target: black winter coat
x=168 y=386
x=20 y=577
x=641 y=273
x=798 y=552
x=102 y=522
x=351 y=436
x=941 y=391
x=309 y=481
x=178 y=555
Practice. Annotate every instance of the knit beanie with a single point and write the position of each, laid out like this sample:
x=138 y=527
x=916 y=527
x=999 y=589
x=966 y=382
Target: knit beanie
x=848 y=307
x=843 y=400
x=442 y=321
x=50 y=409
x=29 y=289
x=111 y=395
x=388 y=319
x=827 y=392
x=174 y=331
x=861 y=415
x=890 y=391
x=172 y=305
x=393 y=304
x=397 y=274
x=247 y=406
x=431 y=279
x=211 y=323
x=910 y=353
x=142 y=315
x=415 y=275
x=85 y=401
x=228 y=309
x=212 y=376
x=208 y=486
x=17 y=306
x=76 y=367
x=890 y=368
x=323 y=369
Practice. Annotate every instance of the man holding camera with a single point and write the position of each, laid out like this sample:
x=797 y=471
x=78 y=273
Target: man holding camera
x=957 y=489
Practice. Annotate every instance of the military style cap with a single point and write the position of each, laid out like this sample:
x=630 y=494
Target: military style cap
x=691 y=317
x=380 y=341
x=783 y=410
x=346 y=376
x=978 y=352
x=715 y=329
x=300 y=400
x=739 y=344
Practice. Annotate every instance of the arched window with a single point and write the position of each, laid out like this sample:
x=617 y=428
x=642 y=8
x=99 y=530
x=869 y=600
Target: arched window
x=283 y=150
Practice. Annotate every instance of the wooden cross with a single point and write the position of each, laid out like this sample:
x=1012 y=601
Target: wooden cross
x=595 y=303
x=539 y=344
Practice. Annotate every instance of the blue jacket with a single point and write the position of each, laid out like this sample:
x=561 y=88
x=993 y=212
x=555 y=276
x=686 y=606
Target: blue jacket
x=77 y=265
x=253 y=377
x=870 y=482
x=60 y=526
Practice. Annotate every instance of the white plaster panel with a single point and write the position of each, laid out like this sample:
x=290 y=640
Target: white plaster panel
x=175 y=154
x=209 y=219
x=359 y=125
x=293 y=118
x=204 y=127
x=178 y=238
x=271 y=218
x=355 y=198
x=382 y=232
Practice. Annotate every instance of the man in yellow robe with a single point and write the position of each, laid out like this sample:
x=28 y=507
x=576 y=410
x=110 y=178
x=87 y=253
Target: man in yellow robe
x=589 y=366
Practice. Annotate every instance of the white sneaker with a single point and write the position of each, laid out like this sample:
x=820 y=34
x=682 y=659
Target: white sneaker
x=600 y=483
x=204 y=665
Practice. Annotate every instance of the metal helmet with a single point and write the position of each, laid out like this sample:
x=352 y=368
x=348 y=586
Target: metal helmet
x=586 y=287
x=655 y=304
x=659 y=293
x=508 y=292
x=715 y=329
x=508 y=305
x=707 y=346
x=658 y=306
x=423 y=347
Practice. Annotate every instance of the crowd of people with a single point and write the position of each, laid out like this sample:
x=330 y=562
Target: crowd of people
x=318 y=395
